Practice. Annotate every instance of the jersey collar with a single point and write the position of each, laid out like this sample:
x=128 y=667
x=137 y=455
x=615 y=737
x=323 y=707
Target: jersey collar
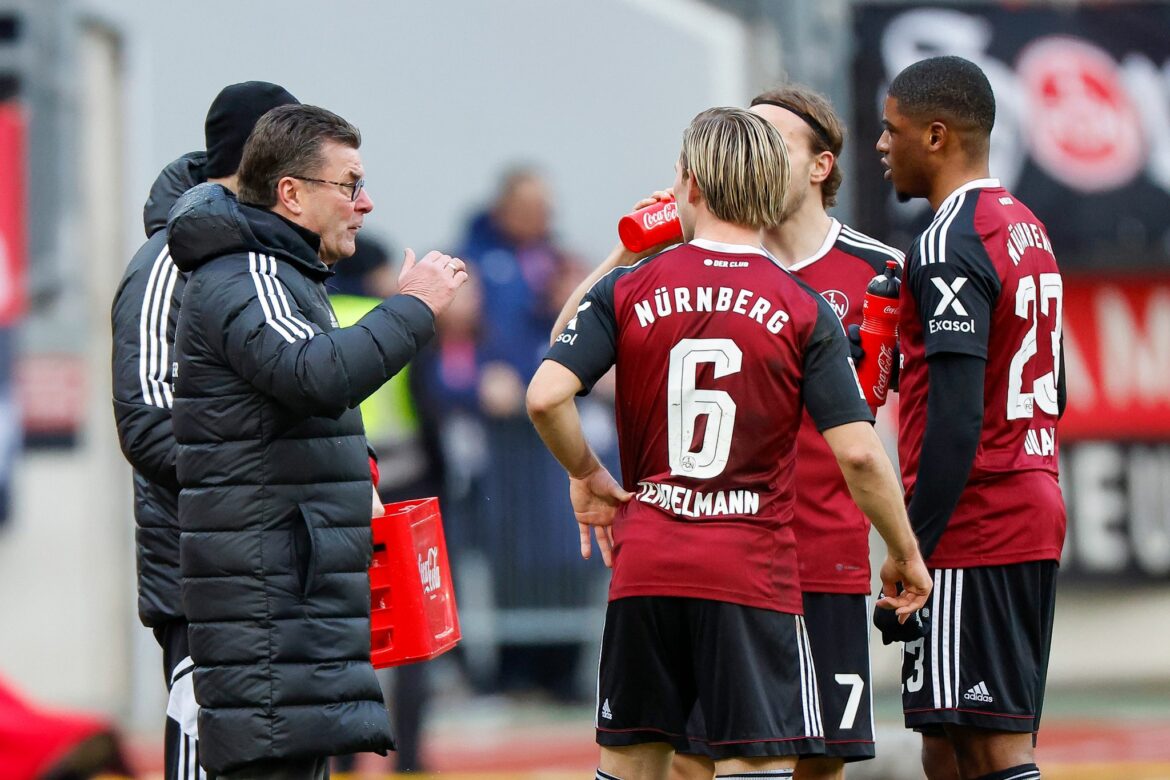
x=731 y=249
x=826 y=245
x=974 y=184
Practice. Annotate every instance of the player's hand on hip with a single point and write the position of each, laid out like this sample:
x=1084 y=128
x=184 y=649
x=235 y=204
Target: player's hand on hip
x=434 y=280
x=596 y=498
x=910 y=580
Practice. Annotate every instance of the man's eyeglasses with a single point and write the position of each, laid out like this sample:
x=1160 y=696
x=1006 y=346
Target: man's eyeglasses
x=354 y=187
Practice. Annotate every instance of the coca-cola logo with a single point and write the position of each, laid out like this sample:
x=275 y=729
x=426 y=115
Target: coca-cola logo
x=667 y=213
x=885 y=368
x=428 y=571
x=1083 y=127
x=839 y=301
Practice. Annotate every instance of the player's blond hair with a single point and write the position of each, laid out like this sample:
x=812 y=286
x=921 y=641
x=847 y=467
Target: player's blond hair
x=740 y=164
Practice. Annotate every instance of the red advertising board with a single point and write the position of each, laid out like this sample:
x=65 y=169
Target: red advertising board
x=12 y=205
x=1117 y=358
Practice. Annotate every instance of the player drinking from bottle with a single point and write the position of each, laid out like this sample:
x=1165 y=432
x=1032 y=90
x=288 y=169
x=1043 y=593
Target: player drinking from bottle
x=832 y=534
x=718 y=352
x=981 y=392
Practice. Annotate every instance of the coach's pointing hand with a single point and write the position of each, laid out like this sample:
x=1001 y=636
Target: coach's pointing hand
x=434 y=280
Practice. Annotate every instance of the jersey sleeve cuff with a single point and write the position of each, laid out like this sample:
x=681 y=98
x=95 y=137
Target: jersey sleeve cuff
x=586 y=384
x=844 y=418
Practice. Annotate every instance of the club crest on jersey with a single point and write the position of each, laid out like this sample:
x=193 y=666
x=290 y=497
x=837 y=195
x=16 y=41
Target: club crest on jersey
x=838 y=300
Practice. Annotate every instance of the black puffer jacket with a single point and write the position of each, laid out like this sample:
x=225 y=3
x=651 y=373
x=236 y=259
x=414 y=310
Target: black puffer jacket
x=143 y=317
x=275 y=501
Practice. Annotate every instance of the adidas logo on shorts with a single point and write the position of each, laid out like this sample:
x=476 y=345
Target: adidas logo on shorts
x=979 y=692
x=605 y=710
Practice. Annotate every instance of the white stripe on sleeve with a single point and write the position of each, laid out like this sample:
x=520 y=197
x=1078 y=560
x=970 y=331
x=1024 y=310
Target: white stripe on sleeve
x=265 y=302
x=281 y=301
x=153 y=353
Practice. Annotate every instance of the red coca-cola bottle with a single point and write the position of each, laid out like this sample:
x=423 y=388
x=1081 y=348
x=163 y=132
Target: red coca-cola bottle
x=879 y=334
x=649 y=226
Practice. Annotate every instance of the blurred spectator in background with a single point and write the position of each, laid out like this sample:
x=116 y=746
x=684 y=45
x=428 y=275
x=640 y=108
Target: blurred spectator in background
x=445 y=383
x=408 y=466
x=510 y=246
x=524 y=278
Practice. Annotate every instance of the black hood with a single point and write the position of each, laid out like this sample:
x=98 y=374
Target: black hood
x=208 y=222
x=175 y=179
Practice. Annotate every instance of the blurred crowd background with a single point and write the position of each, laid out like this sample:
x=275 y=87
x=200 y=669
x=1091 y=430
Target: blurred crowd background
x=514 y=134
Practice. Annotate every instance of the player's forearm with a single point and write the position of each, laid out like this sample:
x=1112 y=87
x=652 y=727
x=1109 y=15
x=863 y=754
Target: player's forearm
x=618 y=257
x=875 y=489
x=873 y=485
x=559 y=427
x=954 y=424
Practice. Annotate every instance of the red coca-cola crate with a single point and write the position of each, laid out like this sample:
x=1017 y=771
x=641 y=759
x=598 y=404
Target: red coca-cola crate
x=413 y=615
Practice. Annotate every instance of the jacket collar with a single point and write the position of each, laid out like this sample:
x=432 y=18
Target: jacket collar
x=208 y=222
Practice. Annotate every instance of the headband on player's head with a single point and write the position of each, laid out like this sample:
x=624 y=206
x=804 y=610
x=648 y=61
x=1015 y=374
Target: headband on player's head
x=818 y=129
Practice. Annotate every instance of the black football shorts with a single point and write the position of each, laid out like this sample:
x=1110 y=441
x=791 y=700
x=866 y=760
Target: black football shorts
x=838 y=631
x=748 y=669
x=985 y=660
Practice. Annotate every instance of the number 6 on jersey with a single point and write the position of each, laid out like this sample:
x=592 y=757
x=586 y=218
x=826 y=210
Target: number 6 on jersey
x=685 y=403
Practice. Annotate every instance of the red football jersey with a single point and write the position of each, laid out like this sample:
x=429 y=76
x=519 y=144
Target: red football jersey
x=982 y=280
x=832 y=534
x=716 y=347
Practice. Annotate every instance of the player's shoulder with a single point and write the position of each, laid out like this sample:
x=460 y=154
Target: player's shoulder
x=998 y=210
x=605 y=286
x=953 y=235
x=686 y=263
x=867 y=249
x=817 y=303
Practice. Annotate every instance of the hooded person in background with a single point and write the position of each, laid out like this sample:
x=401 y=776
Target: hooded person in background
x=144 y=316
x=275 y=503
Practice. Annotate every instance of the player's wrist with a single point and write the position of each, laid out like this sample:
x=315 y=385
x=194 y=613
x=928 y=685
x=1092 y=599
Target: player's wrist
x=586 y=470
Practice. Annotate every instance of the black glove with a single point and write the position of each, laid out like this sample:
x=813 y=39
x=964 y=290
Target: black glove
x=853 y=332
x=915 y=627
x=855 y=350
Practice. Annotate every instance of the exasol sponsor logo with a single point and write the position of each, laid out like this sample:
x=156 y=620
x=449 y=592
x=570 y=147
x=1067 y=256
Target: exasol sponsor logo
x=950 y=306
x=952 y=326
x=950 y=296
x=979 y=692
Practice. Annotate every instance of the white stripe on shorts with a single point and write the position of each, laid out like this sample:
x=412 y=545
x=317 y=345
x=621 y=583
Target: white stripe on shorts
x=958 y=645
x=946 y=614
x=945 y=660
x=809 y=694
x=935 y=616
